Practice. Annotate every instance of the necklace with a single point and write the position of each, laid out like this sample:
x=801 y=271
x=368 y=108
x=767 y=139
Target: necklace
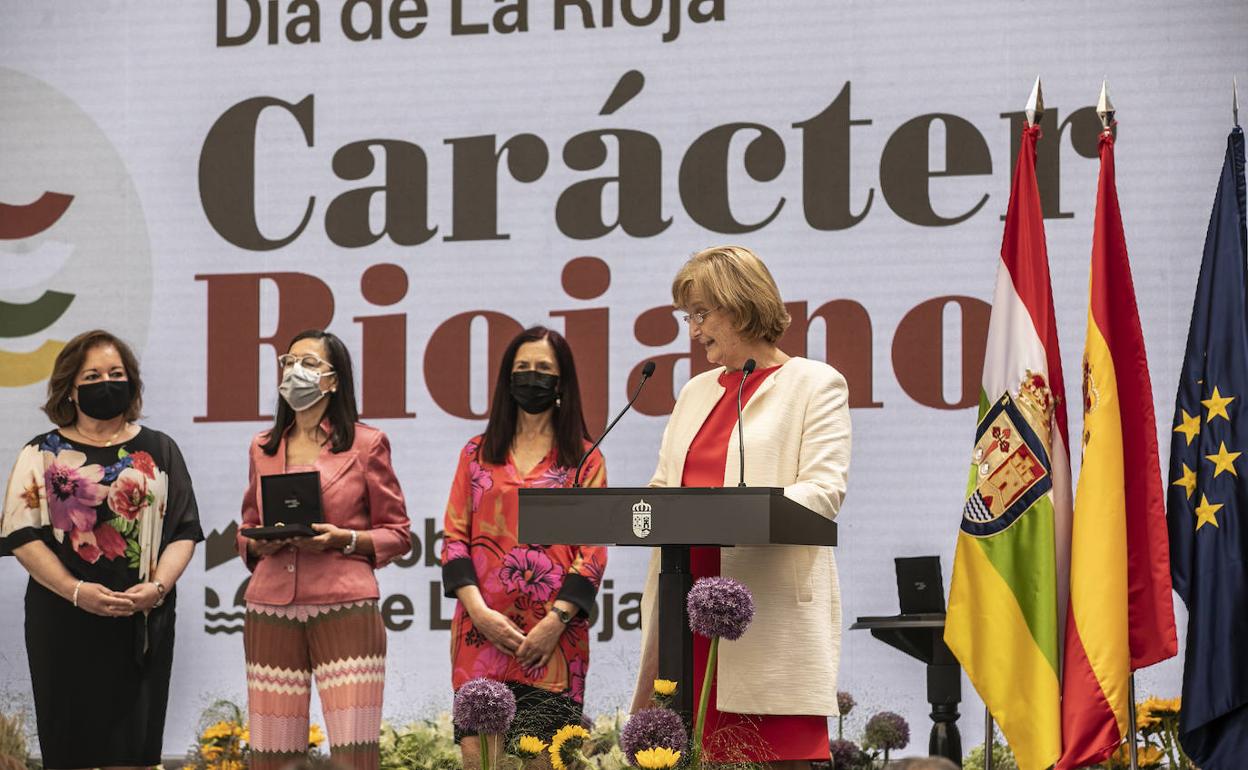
x=111 y=438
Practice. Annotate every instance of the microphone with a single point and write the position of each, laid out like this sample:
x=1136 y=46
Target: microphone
x=646 y=371
x=746 y=371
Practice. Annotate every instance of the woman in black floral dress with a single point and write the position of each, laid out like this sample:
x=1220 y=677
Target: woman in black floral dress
x=101 y=513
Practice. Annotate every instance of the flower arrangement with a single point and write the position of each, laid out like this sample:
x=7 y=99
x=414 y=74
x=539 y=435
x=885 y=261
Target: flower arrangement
x=1157 y=737
x=14 y=750
x=224 y=741
x=653 y=728
x=885 y=732
x=847 y=756
x=664 y=690
x=565 y=748
x=657 y=759
x=844 y=704
x=529 y=747
x=424 y=745
x=485 y=707
x=719 y=608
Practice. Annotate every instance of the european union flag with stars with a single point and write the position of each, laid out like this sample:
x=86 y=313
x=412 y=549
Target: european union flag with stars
x=1207 y=499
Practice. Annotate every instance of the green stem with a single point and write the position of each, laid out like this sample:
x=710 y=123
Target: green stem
x=840 y=728
x=1177 y=759
x=485 y=751
x=704 y=698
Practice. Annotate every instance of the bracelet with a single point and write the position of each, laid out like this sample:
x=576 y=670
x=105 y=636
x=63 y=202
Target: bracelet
x=350 y=547
x=77 y=586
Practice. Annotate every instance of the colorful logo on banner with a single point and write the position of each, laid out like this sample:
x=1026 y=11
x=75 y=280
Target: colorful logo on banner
x=74 y=251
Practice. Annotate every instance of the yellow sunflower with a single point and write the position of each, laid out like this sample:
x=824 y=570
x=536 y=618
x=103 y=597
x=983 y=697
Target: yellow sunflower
x=1165 y=707
x=566 y=745
x=219 y=730
x=664 y=687
x=657 y=758
x=315 y=736
x=1145 y=720
x=529 y=746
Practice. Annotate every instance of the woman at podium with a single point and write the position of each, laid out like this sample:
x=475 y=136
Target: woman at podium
x=774 y=687
x=522 y=615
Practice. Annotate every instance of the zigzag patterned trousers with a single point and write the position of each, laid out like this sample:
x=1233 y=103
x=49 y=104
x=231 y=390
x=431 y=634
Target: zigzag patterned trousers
x=344 y=647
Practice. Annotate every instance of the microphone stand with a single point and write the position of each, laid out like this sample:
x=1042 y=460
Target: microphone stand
x=746 y=371
x=646 y=371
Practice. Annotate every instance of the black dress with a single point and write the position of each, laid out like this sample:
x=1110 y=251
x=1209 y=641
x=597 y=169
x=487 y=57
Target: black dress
x=100 y=684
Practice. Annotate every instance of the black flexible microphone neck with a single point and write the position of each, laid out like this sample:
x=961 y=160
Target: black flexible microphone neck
x=746 y=371
x=646 y=371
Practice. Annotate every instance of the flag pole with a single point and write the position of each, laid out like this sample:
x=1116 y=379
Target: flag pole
x=1132 y=751
x=1105 y=111
x=987 y=739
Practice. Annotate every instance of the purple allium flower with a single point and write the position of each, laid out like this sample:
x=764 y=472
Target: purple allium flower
x=720 y=606
x=887 y=731
x=484 y=706
x=653 y=728
x=846 y=755
x=845 y=703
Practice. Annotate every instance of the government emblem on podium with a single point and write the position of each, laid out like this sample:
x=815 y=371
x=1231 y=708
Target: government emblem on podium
x=1011 y=459
x=641 y=518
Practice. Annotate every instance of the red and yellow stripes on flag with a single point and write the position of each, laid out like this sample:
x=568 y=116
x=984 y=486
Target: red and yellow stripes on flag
x=1004 y=599
x=1120 y=616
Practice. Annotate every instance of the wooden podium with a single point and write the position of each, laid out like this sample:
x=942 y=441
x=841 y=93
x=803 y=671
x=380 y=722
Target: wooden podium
x=673 y=520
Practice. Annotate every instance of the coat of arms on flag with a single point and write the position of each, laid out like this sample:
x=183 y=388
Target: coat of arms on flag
x=1010 y=459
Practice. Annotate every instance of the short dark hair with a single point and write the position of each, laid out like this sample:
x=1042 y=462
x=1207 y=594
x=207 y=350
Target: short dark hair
x=569 y=421
x=59 y=408
x=341 y=411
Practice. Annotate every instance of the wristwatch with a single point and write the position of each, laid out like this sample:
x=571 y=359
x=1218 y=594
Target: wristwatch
x=160 y=589
x=564 y=616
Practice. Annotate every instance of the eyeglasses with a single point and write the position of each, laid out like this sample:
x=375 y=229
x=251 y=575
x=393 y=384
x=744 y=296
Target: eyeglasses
x=308 y=361
x=697 y=318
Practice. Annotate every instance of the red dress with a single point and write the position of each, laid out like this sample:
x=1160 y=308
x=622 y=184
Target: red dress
x=739 y=737
x=517 y=579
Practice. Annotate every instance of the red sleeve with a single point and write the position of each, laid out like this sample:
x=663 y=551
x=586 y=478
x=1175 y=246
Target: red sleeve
x=457 y=568
x=391 y=530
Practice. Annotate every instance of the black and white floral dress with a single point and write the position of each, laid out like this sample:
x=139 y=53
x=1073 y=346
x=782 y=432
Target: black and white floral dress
x=100 y=684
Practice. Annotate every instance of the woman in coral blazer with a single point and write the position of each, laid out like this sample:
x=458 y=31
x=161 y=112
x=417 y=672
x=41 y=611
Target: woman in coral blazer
x=775 y=686
x=312 y=602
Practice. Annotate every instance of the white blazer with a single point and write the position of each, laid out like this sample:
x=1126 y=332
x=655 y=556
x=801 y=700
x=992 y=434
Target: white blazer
x=797 y=436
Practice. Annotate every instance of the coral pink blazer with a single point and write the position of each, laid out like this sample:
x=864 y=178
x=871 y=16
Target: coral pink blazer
x=358 y=491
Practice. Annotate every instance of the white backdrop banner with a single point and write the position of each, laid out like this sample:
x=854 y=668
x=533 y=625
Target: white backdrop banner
x=426 y=178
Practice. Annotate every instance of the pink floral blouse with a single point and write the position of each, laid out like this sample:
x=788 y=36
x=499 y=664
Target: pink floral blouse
x=519 y=580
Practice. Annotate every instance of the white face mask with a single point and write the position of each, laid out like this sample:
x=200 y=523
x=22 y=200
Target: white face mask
x=301 y=388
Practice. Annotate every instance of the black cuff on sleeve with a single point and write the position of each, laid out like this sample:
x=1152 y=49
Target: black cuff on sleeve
x=579 y=591
x=20 y=537
x=456 y=574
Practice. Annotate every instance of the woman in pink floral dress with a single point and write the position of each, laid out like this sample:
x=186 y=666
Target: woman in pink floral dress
x=101 y=513
x=523 y=610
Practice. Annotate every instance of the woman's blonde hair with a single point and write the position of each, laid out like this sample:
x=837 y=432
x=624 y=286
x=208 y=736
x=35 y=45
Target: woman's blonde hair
x=735 y=279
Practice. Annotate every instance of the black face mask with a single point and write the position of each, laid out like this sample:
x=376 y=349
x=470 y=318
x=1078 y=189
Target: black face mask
x=534 y=392
x=105 y=399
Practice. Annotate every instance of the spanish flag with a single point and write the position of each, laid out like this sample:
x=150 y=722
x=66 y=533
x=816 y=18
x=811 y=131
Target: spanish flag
x=1002 y=622
x=1120 y=616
